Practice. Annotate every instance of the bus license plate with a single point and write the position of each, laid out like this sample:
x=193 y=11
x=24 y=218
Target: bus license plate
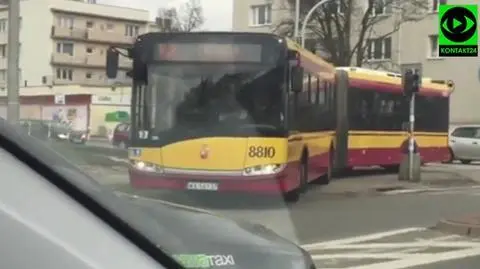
x=202 y=186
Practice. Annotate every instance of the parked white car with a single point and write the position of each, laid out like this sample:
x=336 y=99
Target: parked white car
x=464 y=143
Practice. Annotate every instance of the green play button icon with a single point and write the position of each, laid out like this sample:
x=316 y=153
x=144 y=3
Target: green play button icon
x=456 y=23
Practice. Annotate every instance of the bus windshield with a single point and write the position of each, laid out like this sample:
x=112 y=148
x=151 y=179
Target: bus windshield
x=186 y=100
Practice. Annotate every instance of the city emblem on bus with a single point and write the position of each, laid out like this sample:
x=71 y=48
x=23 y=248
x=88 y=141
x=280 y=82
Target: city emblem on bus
x=204 y=152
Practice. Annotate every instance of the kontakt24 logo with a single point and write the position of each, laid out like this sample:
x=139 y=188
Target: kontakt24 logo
x=458 y=31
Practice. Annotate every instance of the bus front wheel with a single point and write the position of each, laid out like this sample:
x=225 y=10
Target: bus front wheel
x=294 y=195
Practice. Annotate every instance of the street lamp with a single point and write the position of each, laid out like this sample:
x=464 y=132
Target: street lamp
x=297 y=20
x=307 y=18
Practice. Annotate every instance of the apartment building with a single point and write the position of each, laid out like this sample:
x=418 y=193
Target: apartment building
x=65 y=42
x=414 y=42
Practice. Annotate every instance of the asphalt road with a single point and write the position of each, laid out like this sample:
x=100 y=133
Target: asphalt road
x=318 y=219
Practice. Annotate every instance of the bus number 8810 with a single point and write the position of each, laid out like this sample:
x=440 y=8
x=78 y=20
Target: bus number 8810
x=261 y=152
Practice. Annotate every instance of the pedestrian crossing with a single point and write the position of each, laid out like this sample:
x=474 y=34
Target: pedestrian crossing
x=397 y=249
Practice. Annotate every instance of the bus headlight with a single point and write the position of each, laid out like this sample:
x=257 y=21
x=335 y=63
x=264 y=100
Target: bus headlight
x=146 y=166
x=265 y=169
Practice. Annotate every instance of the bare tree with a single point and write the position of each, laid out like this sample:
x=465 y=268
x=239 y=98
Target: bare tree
x=344 y=29
x=188 y=17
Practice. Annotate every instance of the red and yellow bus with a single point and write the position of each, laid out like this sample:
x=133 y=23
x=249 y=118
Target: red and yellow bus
x=256 y=113
x=228 y=112
x=375 y=116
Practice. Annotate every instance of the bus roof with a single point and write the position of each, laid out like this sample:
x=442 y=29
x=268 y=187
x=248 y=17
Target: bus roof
x=390 y=81
x=312 y=62
x=152 y=34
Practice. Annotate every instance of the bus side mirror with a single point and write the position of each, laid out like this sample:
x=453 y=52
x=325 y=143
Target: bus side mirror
x=297 y=79
x=112 y=63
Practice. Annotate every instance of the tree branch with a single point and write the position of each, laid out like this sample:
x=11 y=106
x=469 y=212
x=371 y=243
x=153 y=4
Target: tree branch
x=187 y=18
x=344 y=37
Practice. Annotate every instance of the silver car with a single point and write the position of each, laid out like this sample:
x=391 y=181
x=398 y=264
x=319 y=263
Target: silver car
x=464 y=143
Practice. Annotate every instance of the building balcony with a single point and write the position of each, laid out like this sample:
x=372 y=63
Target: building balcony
x=92 y=61
x=65 y=59
x=89 y=35
x=107 y=37
x=69 y=33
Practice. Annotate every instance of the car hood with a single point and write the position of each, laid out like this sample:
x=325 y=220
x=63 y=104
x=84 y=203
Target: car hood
x=233 y=243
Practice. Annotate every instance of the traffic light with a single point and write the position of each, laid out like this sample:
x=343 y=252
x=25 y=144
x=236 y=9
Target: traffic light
x=416 y=83
x=411 y=82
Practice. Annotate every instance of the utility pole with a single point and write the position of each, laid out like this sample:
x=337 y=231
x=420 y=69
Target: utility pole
x=13 y=87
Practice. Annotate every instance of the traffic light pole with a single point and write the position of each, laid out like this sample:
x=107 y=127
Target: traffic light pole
x=410 y=165
x=411 y=138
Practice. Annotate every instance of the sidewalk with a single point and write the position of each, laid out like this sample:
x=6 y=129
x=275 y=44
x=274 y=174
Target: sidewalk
x=377 y=182
x=468 y=225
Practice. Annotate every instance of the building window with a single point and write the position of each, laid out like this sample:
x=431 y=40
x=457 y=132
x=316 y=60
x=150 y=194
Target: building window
x=132 y=30
x=436 y=4
x=261 y=15
x=3 y=25
x=89 y=24
x=379 y=48
x=433 y=46
x=2 y=75
x=109 y=27
x=65 y=22
x=3 y=51
x=65 y=74
x=382 y=8
x=89 y=50
x=88 y=75
x=65 y=48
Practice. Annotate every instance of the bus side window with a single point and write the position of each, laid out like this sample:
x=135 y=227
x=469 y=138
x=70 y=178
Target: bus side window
x=390 y=111
x=309 y=88
x=326 y=90
x=361 y=109
x=431 y=113
x=321 y=94
x=317 y=91
x=313 y=91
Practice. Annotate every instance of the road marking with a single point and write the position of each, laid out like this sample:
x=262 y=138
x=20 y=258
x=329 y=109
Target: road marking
x=164 y=202
x=441 y=238
x=422 y=259
x=119 y=160
x=356 y=239
x=362 y=255
x=395 y=192
x=401 y=254
x=426 y=243
x=436 y=190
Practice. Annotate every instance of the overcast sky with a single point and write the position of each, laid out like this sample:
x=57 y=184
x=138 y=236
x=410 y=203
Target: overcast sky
x=218 y=13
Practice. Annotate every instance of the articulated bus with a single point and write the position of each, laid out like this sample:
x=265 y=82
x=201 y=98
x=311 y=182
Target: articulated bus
x=256 y=113
x=374 y=118
x=228 y=112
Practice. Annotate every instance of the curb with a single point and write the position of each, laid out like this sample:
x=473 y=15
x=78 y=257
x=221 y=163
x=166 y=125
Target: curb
x=466 y=226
